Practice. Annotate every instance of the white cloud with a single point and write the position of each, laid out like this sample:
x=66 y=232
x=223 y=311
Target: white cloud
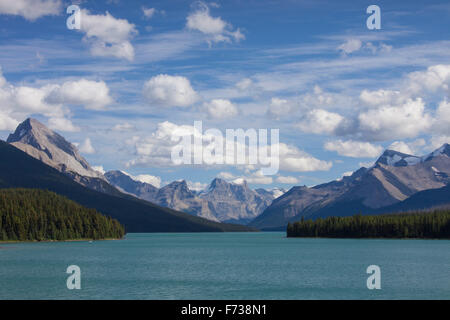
x=350 y=46
x=123 y=127
x=382 y=97
x=287 y=180
x=215 y=28
x=279 y=107
x=443 y=118
x=412 y=148
x=156 y=149
x=294 y=160
x=438 y=141
x=93 y=95
x=255 y=177
x=220 y=109
x=108 y=36
x=99 y=169
x=7 y=123
x=244 y=84
x=169 y=91
x=435 y=78
x=62 y=124
x=354 y=149
x=86 y=147
x=226 y=175
x=196 y=186
x=320 y=121
x=50 y=100
x=386 y=122
x=30 y=9
x=148 y=12
x=147 y=178
x=400 y=146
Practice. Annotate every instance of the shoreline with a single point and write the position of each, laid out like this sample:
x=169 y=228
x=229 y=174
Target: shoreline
x=68 y=240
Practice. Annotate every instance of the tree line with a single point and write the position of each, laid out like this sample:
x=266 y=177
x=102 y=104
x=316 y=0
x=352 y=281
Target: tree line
x=432 y=224
x=34 y=214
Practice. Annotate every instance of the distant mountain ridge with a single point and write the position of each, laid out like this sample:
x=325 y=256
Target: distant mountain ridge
x=41 y=143
x=222 y=201
x=20 y=170
x=393 y=178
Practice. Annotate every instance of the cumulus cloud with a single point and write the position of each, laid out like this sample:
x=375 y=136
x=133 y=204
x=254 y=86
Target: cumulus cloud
x=443 y=118
x=354 y=149
x=86 y=147
x=30 y=9
x=382 y=97
x=196 y=186
x=402 y=121
x=433 y=79
x=220 y=109
x=351 y=45
x=169 y=91
x=62 y=124
x=99 y=169
x=279 y=107
x=91 y=94
x=412 y=148
x=295 y=160
x=156 y=150
x=216 y=29
x=107 y=35
x=147 y=178
x=320 y=121
x=437 y=141
x=51 y=100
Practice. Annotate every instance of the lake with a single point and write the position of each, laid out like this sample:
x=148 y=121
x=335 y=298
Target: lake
x=264 y=265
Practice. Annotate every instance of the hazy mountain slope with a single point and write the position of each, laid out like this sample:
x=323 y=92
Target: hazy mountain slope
x=394 y=178
x=127 y=184
x=234 y=202
x=19 y=170
x=40 y=142
x=222 y=201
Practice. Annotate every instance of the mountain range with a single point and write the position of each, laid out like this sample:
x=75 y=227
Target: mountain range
x=395 y=182
x=222 y=201
x=39 y=158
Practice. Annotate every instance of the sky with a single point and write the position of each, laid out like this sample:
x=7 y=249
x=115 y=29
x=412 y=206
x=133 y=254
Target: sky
x=135 y=72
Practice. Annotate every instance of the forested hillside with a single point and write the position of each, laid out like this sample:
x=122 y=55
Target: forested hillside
x=423 y=224
x=33 y=214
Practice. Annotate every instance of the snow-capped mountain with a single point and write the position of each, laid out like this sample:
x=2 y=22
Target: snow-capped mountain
x=394 y=178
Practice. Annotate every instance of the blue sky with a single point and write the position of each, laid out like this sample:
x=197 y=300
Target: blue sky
x=338 y=92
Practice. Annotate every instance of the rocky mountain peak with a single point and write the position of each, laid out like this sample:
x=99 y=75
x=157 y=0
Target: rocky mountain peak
x=444 y=150
x=397 y=159
x=34 y=138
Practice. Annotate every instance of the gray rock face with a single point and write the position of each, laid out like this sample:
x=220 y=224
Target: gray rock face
x=222 y=201
x=40 y=142
x=394 y=178
x=126 y=184
x=234 y=202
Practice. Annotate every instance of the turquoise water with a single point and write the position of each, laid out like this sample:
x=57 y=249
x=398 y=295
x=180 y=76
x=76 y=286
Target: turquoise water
x=226 y=266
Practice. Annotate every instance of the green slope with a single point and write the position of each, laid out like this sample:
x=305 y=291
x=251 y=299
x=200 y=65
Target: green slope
x=19 y=170
x=34 y=214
